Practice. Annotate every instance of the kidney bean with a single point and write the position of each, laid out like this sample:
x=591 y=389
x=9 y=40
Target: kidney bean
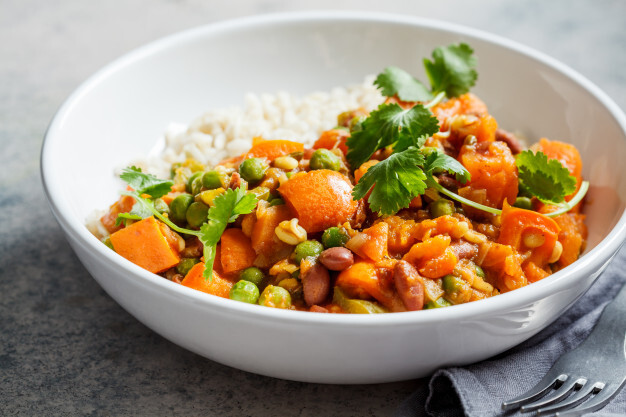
x=315 y=282
x=337 y=258
x=409 y=285
x=511 y=140
x=464 y=250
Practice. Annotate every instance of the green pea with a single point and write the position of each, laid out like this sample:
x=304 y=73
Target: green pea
x=253 y=169
x=307 y=248
x=197 y=214
x=276 y=202
x=325 y=159
x=441 y=207
x=261 y=193
x=334 y=237
x=296 y=274
x=252 y=274
x=354 y=306
x=479 y=271
x=174 y=168
x=179 y=206
x=438 y=303
x=343 y=119
x=523 y=203
x=185 y=265
x=452 y=283
x=212 y=180
x=274 y=296
x=161 y=206
x=244 y=291
x=191 y=180
x=356 y=124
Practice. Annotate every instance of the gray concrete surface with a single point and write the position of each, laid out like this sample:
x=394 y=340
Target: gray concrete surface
x=66 y=348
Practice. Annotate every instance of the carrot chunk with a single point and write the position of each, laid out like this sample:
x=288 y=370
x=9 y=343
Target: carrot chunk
x=320 y=198
x=123 y=205
x=331 y=139
x=492 y=168
x=526 y=230
x=374 y=244
x=263 y=237
x=216 y=285
x=144 y=244
x=236 y=251
x=363 y=281
x=272 y=149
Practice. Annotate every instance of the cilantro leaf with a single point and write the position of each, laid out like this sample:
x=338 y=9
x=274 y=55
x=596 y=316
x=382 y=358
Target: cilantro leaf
x=124 y=217
x=395 y=81
x=139 y=211
x=388 y=125
x=437 y=161
x=226 y=208
x=546 y=179
x=452 y=70
x=394 y=182
x=146 y=183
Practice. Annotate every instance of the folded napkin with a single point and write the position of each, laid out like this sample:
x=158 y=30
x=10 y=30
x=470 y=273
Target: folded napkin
x=478 y=390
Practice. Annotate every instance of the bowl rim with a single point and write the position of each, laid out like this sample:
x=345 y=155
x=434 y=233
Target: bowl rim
x=587 y=264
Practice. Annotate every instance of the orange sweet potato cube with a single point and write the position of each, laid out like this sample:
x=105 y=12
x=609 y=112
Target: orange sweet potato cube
x=143 y=243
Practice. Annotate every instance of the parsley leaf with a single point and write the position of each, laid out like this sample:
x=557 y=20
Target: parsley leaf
x=390 y=125
x=146 y=183
x=226 y=208
x=452 y=69
x=395 y=181
x=546 y=179
x=437 y=161
x=395 y=81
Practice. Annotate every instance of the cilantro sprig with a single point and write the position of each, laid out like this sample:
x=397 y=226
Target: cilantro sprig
x=391 y=125
x=410 y=169
x=226 y=208
x=395 y=181
x=548 y=180
x=451 y=73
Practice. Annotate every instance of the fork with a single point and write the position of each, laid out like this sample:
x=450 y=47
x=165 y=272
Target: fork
x=588 y=377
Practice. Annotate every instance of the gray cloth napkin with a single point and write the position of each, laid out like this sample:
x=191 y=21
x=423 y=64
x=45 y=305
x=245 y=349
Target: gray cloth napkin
x=478 y=390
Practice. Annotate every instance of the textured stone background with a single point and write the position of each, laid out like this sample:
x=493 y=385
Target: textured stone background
x=66 y=348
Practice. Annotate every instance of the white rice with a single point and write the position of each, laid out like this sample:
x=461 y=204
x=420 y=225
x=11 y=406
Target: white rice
x=223 y=133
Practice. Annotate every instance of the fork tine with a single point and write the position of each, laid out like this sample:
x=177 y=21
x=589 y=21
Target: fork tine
x=559 y=394
x=596 y=403
x=575 y=399
x=535 y=392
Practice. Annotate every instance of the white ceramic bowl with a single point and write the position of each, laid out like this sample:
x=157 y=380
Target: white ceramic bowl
x=119 y=112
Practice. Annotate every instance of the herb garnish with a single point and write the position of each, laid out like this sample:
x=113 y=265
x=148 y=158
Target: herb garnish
x=410 y=168
x=226 y=208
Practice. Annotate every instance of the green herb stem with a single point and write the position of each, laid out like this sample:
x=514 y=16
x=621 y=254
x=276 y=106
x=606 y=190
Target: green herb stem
x=161 y=217
x=434 y=184
x=436 y=100
x=567 y=206
x=564 y=207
